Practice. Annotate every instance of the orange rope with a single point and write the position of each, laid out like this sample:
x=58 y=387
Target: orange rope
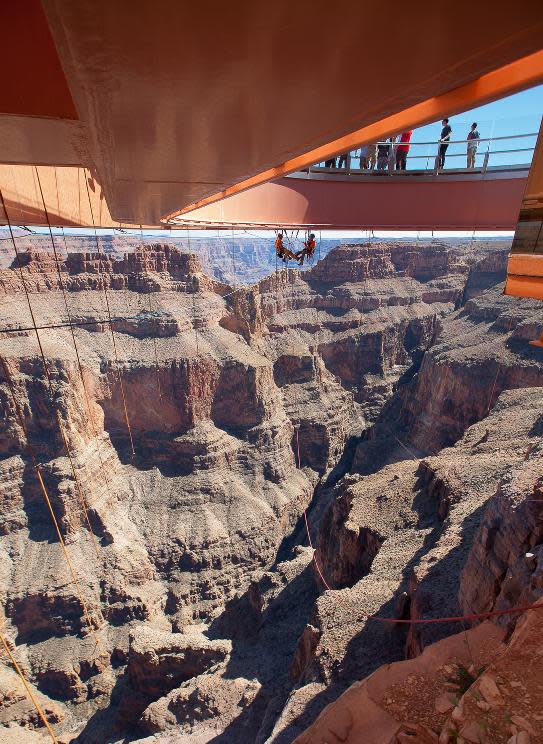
x=68 y=561
x=420 y=621
x=28 y=689
x=47 y=499
x=423 y=621
x=46 y=370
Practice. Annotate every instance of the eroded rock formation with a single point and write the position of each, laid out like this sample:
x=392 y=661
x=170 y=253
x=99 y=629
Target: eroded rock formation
x=387 y=389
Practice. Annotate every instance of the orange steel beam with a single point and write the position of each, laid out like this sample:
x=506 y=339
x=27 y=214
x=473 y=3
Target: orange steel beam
x=526 y=265
x=523 y=73
x=530 y=287
x=525 y=276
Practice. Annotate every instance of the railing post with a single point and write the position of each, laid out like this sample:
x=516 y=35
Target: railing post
x=485 y=161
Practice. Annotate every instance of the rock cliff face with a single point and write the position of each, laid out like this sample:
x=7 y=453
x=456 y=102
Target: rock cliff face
x=181 y=428
x=239 y=258
x=470 y=687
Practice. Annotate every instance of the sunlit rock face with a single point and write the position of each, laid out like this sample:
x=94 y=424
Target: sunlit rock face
x=181 y=438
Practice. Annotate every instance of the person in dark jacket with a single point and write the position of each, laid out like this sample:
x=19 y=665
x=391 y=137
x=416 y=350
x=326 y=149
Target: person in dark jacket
x=342 y=160
x=444 y=140
x=383 y=154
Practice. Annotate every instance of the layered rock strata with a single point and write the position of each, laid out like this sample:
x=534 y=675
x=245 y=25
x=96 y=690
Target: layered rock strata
x=200 y=424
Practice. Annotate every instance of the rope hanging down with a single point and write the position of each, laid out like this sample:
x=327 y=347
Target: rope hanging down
x=81 y=496
x=28 y=688
x=37 y=469
x=103 y=282
x=49 y=382
x=23 y=426
x=193 y=292
x=157 y=368
x=394 y=621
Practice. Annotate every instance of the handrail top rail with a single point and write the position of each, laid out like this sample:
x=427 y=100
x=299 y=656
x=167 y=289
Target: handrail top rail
x=453 y=142
x=460 y=154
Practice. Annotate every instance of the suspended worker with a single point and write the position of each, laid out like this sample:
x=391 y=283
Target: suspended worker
x=282 y=251
x=308 y=250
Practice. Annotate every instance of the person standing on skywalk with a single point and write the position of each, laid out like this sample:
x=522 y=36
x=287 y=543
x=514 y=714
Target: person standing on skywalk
x=444 y=140
x=473 y=144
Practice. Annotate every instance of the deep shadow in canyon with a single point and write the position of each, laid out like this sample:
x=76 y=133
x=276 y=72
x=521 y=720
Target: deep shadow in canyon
x=396 y=375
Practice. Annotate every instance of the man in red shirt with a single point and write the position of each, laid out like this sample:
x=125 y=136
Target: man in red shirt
x=402 y=150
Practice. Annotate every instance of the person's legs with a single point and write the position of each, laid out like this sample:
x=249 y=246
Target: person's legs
x=401 y=160
x=342 y=161
x=363 y=163
x=471 y=157
x=442 y=151
x=288 y=254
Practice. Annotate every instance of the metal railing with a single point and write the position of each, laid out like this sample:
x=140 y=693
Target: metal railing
x=482 y=162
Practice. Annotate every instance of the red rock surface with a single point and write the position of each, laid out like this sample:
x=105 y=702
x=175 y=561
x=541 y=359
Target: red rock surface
x=359 y=370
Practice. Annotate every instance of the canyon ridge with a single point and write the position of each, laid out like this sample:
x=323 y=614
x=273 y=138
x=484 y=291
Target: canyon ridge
x=210 y=487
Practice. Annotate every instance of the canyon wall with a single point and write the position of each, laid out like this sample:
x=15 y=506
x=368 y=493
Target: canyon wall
x=181 y=428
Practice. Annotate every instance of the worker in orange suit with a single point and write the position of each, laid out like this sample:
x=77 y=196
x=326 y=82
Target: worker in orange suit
x=282 y=251
x=308 y=250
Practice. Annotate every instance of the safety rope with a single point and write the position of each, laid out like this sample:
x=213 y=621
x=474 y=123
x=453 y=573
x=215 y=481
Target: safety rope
x=415 y=621
x=103 y=282
x=74 y=324
x=36 y=466
x=193 y=292
x=48 y=378
x=157 y=368
x=233 y=259
x=28 y=688
x=82 y=499
x=419 y=621
x=493 y=388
